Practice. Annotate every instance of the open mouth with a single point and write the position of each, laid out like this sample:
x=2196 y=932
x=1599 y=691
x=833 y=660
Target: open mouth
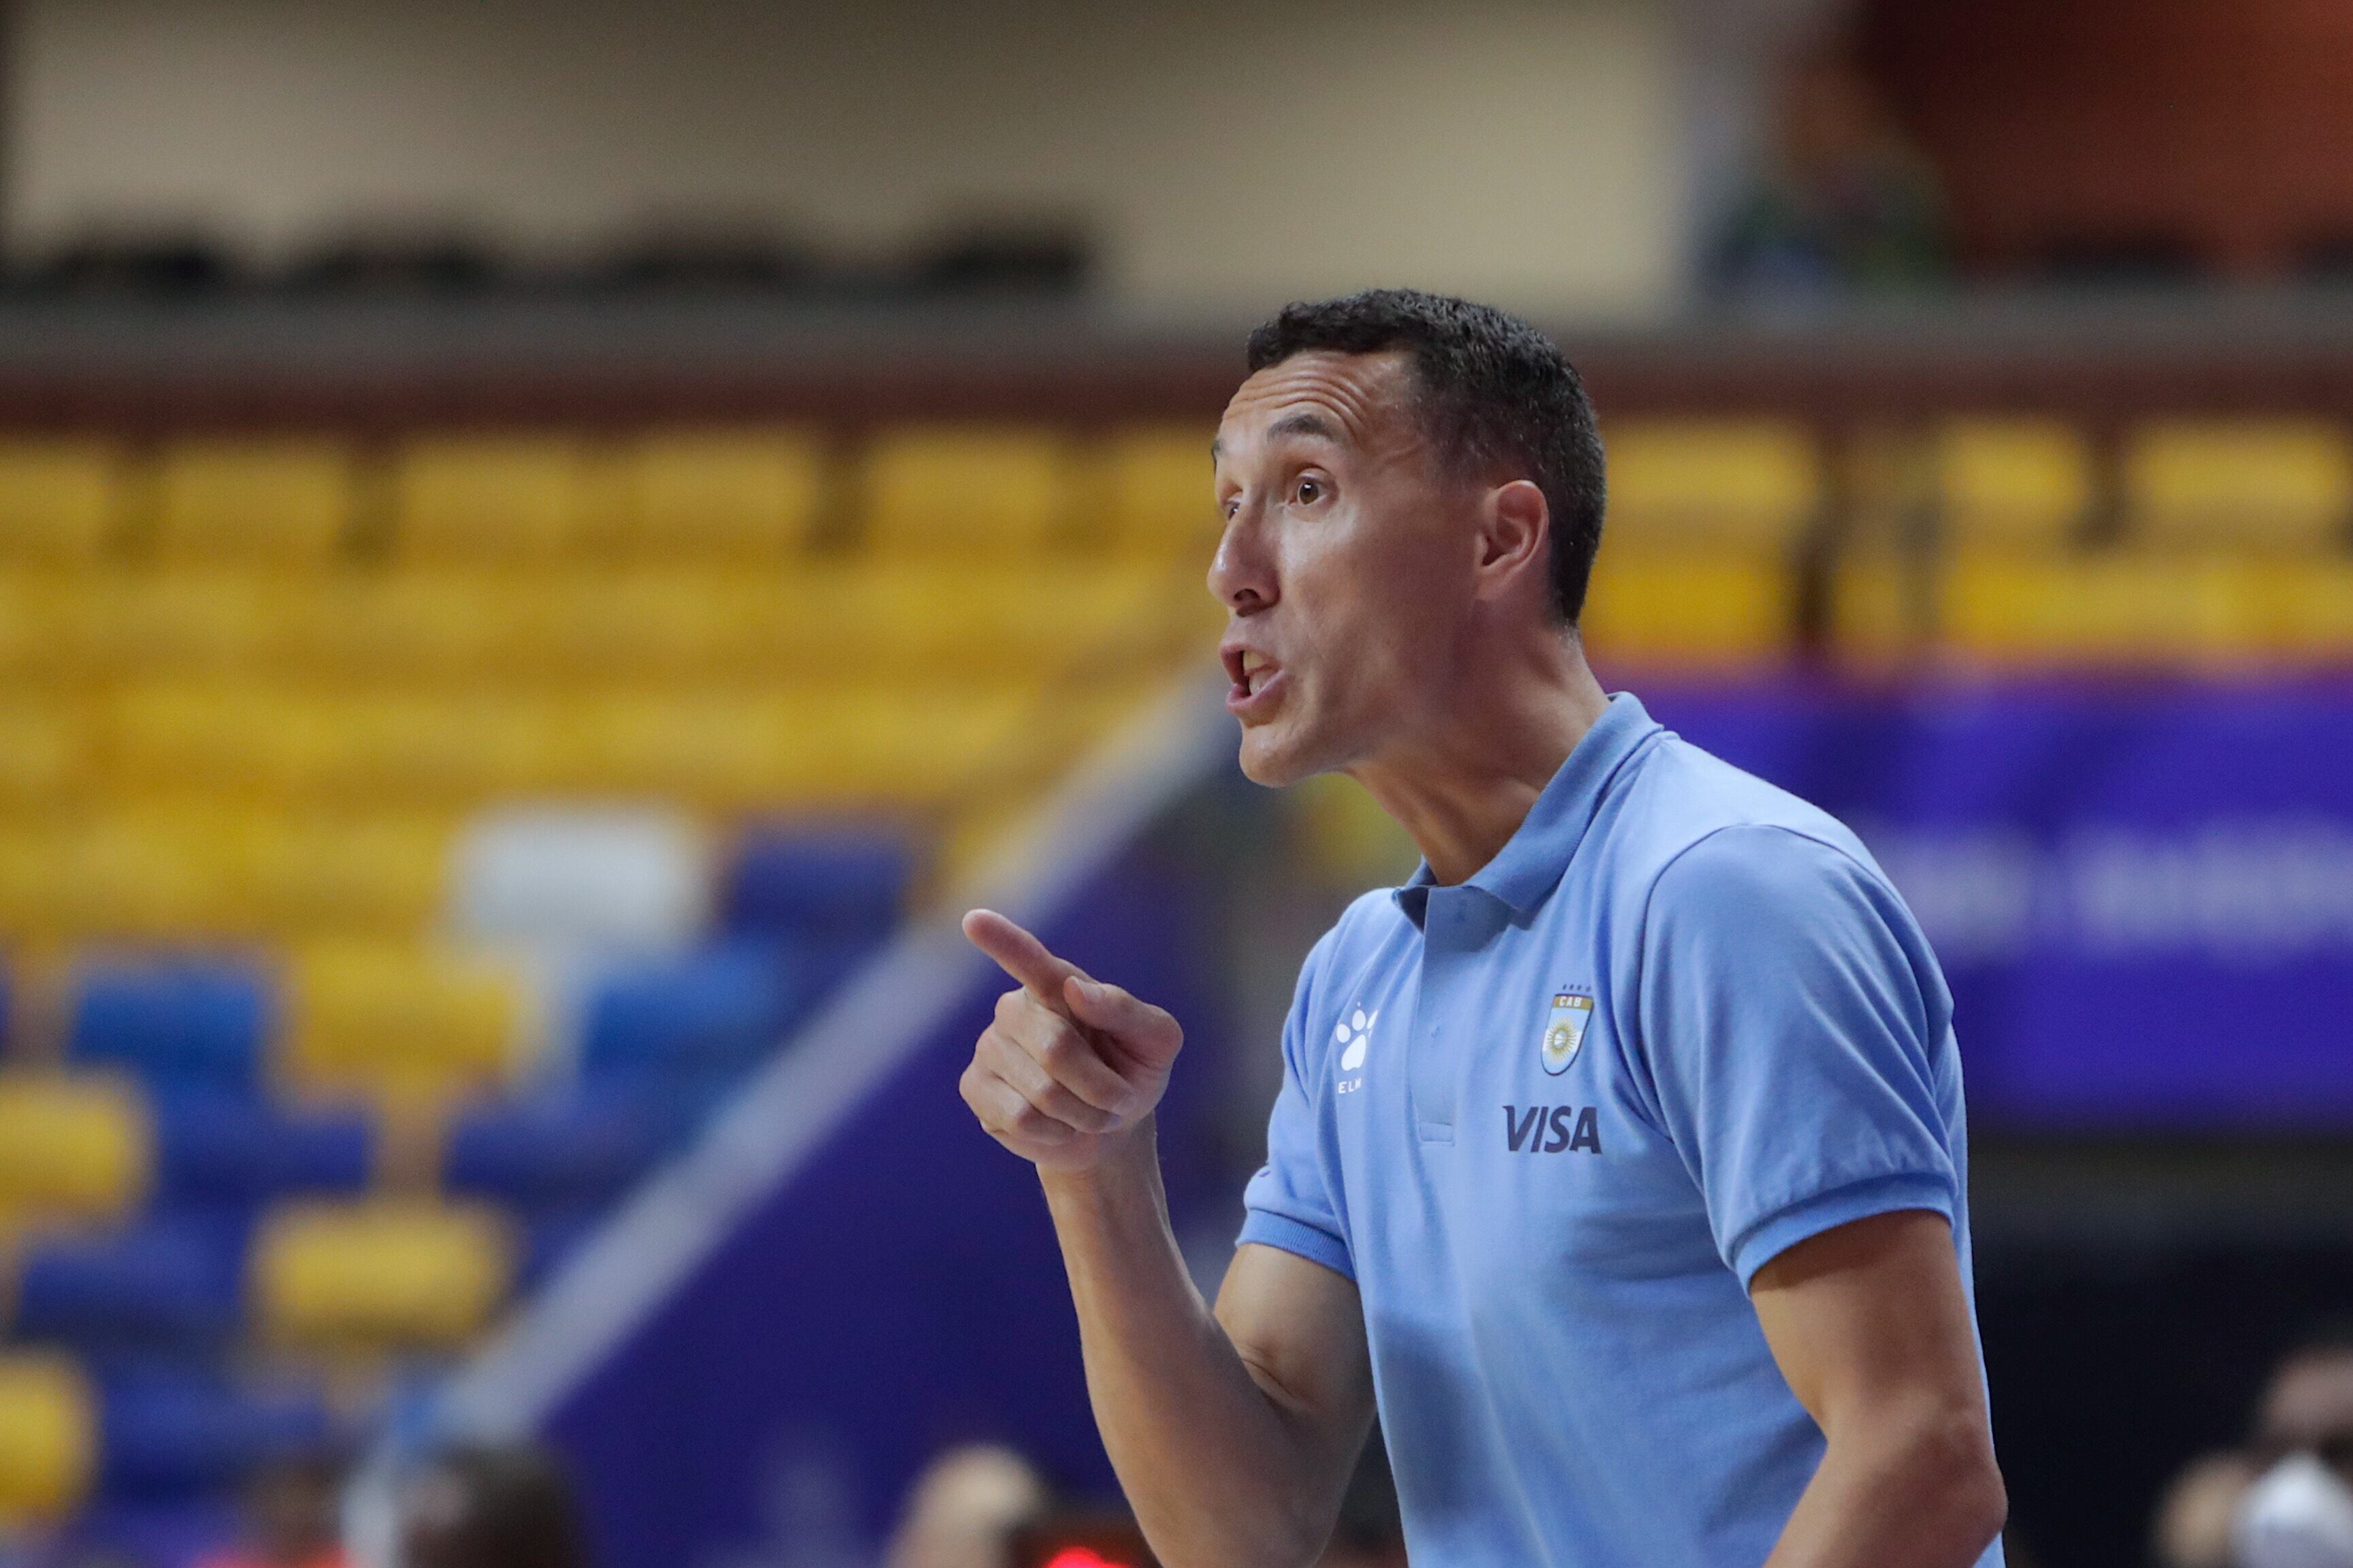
x=1251 y=673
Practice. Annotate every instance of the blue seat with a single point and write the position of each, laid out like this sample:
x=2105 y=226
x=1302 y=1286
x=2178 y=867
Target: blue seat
x=168 y=1430
x=706 y=1015
x=825 y=885
x=581 y=1148
x=170 y=1281
x=178 y=1023
x=215 y=1148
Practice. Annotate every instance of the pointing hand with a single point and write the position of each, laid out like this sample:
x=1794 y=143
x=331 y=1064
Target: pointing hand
x=1070 y=1065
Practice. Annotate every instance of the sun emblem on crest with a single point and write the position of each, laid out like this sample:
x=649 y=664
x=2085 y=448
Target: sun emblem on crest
x=1564 y=1034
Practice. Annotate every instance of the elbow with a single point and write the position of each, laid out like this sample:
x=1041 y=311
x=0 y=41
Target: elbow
x=1283 y=1537
x=1981 y=1503
x=1961 y=1480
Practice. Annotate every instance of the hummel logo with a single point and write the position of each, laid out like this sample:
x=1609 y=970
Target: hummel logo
x=1354 y=1036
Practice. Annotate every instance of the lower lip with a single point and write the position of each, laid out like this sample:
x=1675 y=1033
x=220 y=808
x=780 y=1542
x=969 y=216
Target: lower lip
x=1244 y=704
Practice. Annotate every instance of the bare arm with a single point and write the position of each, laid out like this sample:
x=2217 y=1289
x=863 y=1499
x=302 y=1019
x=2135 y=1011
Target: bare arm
x=1870 y=1327
x=1233 y=1432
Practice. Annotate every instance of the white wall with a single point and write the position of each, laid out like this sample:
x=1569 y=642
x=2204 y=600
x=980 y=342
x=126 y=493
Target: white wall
x=1228 y=151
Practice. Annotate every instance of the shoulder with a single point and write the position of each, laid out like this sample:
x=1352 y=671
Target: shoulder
x=1692 y=825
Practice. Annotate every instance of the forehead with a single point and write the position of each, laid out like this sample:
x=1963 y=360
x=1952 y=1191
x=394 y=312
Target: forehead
x=1354 y=399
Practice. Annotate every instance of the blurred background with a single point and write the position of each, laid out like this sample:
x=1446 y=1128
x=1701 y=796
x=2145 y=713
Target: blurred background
x=547 y=549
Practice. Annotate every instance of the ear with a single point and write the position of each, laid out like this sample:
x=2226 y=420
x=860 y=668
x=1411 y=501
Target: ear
x=1514 y=539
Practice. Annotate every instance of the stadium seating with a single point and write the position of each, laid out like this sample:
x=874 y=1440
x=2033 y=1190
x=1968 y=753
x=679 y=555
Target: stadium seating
x=2015 y=484
x=376 y=1277
x=1750 y=484
x=179 y=1025
x=490 y=500
x=48 y=1438
x=167 y=1284
x=400 y=1024
x=1147 y=492
x=284 y=503
x=967 y=492
x=688 y=497
x=60 y=500
x=71 y=1147
x=2241 y=485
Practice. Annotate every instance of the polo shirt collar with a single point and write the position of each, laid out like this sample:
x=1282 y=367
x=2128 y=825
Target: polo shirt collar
x=1525 y=871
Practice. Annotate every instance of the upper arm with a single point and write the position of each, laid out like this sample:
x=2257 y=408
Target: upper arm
x=1868 y=1324
x=1299 y=1327
x=1792 y=1038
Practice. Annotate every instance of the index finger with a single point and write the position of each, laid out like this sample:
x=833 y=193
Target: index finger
x=1022 y=956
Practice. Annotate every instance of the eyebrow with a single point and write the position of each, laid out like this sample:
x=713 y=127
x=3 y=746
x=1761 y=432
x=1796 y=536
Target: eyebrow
x=1314 y=424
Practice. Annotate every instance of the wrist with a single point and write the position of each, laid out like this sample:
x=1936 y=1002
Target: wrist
x=1129 y=1162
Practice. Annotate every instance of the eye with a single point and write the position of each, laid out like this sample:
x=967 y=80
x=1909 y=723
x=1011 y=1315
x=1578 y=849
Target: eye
x=1308 y=491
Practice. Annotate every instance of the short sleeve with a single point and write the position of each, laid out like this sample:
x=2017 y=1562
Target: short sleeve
x=1288 y=1205
x=1790 y=1019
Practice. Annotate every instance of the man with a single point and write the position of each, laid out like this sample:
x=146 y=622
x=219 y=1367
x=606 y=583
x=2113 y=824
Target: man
x=1620 y=1154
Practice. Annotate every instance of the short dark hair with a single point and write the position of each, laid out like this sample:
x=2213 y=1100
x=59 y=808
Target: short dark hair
x=1500 y=395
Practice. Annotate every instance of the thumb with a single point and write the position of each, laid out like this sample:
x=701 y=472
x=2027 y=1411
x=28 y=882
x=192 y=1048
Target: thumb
x=1022 y=956
x=1147 y=1032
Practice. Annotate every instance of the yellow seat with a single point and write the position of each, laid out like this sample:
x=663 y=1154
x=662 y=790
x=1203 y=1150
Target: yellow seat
x=1756 y=484
x=72 y=1148
x=380 y=1276
x=683 y=497
x=366 y=875
x=59 y=500
x=982 y=621
x=2012 y=483
x=917 y=746
x=421 y=625
x=138 y=874
x=2248 y=485
x=405 y=1026
x=49 y=623
x=279 y=503
x=2308 y=609
x=233 y=736
x=1687 y=608
x=2105 y=610
x=182 y=624
x=281 y=742
x=484 y=501
x=967 y=492
x=44 y=750
x=721 y=750
x=662 y=623
x=1152 y=491
x=48 y=1438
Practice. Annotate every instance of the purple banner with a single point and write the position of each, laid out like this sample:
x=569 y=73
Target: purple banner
x=2142 y=895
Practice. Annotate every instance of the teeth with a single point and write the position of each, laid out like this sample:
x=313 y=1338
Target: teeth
x=1253 y=661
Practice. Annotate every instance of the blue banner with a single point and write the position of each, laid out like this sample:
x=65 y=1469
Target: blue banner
x=2142 y=895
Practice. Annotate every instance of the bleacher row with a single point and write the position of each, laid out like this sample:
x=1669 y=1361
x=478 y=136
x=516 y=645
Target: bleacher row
x=1982 y=541
x=241 y=1188
x=404 y=848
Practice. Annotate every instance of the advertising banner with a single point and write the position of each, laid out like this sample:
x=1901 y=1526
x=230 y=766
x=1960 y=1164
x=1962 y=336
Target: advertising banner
x=2141 y=895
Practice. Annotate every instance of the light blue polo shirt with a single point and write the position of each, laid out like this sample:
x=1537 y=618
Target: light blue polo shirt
x=1552 y=1120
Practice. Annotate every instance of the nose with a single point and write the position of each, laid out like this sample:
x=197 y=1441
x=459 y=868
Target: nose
x=1241 y=573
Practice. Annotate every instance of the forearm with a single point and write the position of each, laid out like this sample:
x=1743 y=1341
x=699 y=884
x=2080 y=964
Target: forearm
x=1904 y=1489
x=1222 y=1470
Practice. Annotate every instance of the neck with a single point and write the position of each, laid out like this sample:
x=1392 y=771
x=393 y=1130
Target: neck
x=1462 y=786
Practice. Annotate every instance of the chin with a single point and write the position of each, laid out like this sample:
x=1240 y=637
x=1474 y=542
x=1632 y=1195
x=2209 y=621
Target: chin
x=1274 y=759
